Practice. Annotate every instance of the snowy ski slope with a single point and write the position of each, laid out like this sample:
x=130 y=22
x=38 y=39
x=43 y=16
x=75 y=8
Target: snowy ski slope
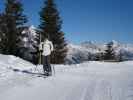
x=86 y=81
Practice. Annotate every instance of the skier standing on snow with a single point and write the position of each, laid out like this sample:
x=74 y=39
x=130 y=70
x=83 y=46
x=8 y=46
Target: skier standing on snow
x=47 y=48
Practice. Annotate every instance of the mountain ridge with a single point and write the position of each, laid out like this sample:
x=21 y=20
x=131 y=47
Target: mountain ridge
x=85 y=50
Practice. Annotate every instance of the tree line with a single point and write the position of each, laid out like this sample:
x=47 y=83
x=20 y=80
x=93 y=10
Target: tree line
x=15 y=41
x=108 y=54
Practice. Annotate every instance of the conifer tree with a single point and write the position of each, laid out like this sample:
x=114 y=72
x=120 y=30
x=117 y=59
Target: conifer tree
x=1 y=33
x=51 y=28
x=13 y=21
x=120 y=56
x=109 y=52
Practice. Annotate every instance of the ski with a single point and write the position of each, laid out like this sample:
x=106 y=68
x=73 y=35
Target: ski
x=35 y=74
x=44 y=75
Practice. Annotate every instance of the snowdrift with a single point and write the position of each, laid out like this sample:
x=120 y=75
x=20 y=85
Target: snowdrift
x=9 y=62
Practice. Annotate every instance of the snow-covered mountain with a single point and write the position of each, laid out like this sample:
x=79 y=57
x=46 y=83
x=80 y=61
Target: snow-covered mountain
x=85 y=50
x=29 y=36
x=29 y=43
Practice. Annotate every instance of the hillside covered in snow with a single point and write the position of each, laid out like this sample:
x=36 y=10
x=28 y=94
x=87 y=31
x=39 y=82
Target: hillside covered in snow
x=85 y=81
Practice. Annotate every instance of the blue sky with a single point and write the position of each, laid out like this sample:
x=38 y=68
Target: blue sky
x=89 y=20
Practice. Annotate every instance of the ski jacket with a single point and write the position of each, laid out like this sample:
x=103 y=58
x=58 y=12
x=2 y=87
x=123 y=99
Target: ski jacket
x=46 y=47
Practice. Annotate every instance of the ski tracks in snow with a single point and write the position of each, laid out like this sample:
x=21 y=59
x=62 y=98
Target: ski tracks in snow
x=89 y=81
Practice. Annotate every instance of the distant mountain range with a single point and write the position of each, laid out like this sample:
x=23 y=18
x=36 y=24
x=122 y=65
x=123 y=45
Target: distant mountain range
x=81 y=52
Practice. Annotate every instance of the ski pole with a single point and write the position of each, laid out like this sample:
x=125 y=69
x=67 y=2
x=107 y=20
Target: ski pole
x=53 y=70
x=40 y=60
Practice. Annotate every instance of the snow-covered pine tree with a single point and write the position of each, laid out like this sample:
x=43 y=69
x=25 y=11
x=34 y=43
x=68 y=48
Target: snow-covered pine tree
x=109 y=52
x=50 y=27
x=29 y=44
x=13 y=21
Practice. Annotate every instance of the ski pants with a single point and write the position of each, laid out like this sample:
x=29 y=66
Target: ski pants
x=46 y=65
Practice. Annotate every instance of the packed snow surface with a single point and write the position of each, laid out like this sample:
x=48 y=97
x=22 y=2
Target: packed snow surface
x=86 y=81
